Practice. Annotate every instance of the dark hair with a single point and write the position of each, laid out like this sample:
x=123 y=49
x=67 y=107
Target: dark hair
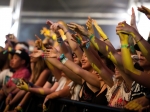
x=3 y=59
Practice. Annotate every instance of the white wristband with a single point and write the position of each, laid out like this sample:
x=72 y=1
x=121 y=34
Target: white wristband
x=64 y=60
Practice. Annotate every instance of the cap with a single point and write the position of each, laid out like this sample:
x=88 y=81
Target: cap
x=23 y=55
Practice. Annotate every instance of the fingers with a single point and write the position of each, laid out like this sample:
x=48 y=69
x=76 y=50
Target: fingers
x=38 y=38
x=49 y=22
x=133 y=12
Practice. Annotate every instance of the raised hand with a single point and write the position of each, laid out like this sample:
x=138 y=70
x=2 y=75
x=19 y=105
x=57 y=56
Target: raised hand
x=38 y=42
x=123 y=27
x=133 y=18
x=36 y=53
x=78 y=28
x=144 y=10
x=51 y=53
x=89 y=25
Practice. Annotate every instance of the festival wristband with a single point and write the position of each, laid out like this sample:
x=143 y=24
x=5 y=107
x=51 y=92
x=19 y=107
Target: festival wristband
x=91 y=36
x=125 y=46
x=64 y=60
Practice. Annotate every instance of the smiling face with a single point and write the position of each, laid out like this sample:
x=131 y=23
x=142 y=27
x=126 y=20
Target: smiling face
x=85 y=63
x=143 y=61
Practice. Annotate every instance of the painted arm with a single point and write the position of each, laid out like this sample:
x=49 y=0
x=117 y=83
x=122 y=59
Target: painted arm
x=102 y=33
x=44 y=91
x=142 y=43
x=74 y=46
x=99 y=66
x=137 y=75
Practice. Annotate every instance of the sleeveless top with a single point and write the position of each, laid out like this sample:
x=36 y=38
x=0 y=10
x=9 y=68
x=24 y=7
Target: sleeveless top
x=101 y=98
x=87 y=93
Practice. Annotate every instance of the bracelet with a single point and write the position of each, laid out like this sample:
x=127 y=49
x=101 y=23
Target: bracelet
x=106 y=39
x=62 y=56
x=78 y=41
x=66 y=32
x=87 y=44
x=139 y=40
x=125 y=46
x=132 y=49
x=91 y=36
x=59 y=40
x=64 y=60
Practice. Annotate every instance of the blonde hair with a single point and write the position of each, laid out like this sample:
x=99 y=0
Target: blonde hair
x=39 y=66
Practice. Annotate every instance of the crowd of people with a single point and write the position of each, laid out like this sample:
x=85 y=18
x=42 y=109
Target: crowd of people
x=79 y=67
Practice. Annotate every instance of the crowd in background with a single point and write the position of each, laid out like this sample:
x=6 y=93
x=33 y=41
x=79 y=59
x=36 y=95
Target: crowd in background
x=78 y=66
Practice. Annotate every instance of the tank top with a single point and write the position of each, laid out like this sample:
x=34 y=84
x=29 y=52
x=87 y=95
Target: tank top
x=87 y=93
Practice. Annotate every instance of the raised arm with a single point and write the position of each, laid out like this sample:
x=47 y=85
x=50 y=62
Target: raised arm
x=137 y=75
x=74 y=46
x=99 y=66
x=141 y=42
x=105 y=49
x=101 y=33
x=87 y=76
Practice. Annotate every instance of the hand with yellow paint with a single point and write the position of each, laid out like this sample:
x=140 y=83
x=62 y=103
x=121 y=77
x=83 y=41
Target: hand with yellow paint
x=144 y=10
x=89 y=25
x=22 y=85
x=99 y=29
x=123 y=27
x=137 y=104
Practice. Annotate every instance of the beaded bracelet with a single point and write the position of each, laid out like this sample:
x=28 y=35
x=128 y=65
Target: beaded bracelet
x=139 y=40
x=125 y=46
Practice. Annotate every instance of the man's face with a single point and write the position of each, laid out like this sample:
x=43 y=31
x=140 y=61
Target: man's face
x=16 y=62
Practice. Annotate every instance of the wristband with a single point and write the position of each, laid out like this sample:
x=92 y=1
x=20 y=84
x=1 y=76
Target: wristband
x=87 y=45
x=125 y=46
x=62 y=56
x=91 y=36
x=106 y=39
x=64 y=60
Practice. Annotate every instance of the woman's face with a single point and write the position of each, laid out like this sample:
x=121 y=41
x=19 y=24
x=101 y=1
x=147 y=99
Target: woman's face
x=33 y=59
x=85 y=63
x=143 y=61
x=75 y=59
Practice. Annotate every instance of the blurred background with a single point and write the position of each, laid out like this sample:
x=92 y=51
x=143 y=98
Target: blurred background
x=25 y=18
